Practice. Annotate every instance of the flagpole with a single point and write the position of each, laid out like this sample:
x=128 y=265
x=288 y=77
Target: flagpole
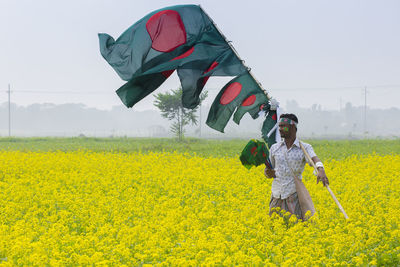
x=327 y=186
x=234 y=51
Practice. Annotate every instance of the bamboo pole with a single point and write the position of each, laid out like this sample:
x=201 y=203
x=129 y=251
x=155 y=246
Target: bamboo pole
x=236 y=53
x=327 y=186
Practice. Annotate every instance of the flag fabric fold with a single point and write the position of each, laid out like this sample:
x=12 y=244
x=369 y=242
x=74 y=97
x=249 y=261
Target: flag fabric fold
x=253 y=104
x=181 y=38
x=267 y=130
x=242 y=94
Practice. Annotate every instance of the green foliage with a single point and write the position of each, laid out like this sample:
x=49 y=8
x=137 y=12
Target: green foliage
x=170 y=106
x=325 y=149
x=340 y=149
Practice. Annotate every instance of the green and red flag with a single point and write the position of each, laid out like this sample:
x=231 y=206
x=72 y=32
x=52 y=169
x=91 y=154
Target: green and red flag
x=255 y=153
x=242 y=94
x=185 y=39
x=269 y=128
x=181 y=38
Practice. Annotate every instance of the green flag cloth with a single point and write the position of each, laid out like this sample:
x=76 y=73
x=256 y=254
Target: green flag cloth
x=268 y=128
x=242 y=94
x=255 y=153
x=181 y=38
x=253 y=105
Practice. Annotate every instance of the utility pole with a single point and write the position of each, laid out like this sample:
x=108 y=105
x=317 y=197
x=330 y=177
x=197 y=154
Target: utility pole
x=365 y=110
x=9 y=110
x=200 y=121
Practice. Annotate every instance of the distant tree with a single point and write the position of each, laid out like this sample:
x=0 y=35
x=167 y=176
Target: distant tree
x=170 y=105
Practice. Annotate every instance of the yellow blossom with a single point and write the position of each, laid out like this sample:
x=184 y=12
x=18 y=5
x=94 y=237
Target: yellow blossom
x=104 y=208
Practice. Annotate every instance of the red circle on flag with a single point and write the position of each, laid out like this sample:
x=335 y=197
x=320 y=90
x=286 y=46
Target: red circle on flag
x=274 y=117
x=230 y=93
x=166 y=30
x=186 y=54
x=249 y=101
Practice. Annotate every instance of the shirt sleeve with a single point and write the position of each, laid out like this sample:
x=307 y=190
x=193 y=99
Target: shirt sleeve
x=309 y=150
x=272 y=157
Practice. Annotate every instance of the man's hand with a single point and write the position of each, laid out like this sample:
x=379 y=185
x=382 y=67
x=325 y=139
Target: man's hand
x=269 y=173
x=321 y=176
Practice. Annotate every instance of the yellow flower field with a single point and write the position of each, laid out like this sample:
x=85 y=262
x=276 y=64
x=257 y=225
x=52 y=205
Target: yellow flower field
x=82 y=207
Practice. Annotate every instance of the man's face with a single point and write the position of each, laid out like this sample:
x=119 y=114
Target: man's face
x=285 y=129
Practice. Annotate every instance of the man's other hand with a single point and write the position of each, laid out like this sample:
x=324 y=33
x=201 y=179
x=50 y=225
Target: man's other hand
x=321 y=176
x=269 y=173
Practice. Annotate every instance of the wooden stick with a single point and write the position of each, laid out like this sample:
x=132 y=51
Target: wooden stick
x=236 y=53
x=327 y=186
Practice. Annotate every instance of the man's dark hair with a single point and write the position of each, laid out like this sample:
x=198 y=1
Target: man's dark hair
x=290 y=116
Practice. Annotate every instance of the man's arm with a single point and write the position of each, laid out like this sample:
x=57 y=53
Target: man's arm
x=270 y=172
x=321 y=175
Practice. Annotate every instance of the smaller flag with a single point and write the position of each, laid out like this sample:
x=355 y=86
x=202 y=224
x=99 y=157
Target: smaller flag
x=242 y=94
x=253 y=105
x=255 y=153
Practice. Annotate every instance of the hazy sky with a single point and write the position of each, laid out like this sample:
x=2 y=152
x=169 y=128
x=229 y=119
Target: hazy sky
x=312 y=51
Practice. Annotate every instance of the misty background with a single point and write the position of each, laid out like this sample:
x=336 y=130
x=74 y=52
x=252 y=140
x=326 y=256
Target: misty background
x=336 y=64
x=350 y=122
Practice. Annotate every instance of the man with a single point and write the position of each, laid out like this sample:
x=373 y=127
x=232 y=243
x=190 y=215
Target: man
x=288 y=160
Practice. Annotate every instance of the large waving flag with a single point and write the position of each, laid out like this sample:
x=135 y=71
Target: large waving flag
x=181 y=38
x=185 y=39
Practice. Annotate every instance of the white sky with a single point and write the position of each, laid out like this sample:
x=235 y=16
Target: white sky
x=313 y=51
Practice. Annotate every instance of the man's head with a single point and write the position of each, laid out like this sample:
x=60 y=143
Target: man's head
x=288 y=125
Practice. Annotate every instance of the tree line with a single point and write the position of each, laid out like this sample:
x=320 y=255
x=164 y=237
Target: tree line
x=76 y=119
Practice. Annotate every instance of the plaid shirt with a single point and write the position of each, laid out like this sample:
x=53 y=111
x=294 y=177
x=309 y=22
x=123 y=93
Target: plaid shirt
x=283 y=185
